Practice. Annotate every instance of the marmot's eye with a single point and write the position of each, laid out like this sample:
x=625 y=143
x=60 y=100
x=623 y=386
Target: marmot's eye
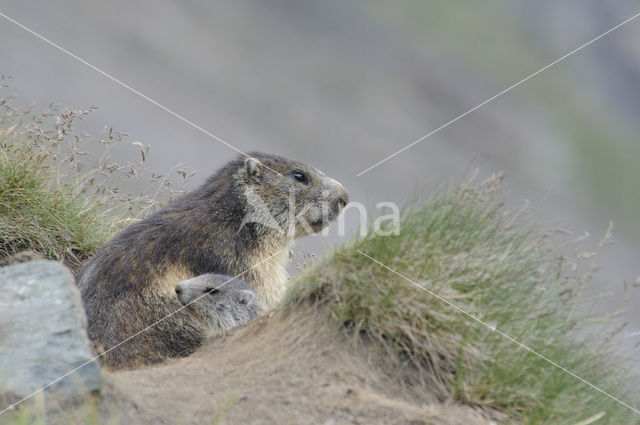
x=299 y=176
x=211 y=291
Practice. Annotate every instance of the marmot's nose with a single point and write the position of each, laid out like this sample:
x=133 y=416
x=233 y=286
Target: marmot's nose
x=178 y=290
x=343 y=199
x=338 y=196
x=343 y=196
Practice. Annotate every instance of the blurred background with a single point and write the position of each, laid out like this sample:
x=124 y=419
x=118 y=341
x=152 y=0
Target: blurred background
x=341 y=85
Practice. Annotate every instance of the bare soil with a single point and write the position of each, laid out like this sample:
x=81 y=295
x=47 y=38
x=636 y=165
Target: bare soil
x=276 y=371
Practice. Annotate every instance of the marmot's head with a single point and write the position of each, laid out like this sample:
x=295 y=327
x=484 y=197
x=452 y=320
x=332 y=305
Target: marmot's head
x=222 y=301
x=289 y=196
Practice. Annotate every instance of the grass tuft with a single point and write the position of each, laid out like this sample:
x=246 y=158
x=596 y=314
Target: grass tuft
x=58 y=200
x=463 y=245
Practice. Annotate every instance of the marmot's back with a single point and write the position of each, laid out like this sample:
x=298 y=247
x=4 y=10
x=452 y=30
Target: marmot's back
x=243 y=219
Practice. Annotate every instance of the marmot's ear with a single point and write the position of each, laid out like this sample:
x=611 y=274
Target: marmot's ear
x=252 y=166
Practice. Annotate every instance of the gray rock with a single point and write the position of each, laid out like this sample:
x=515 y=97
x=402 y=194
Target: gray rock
x=43 y=335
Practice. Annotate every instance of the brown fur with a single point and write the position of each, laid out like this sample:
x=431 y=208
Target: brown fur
x=240 y=221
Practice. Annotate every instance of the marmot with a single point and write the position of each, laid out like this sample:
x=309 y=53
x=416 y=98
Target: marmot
x=241 y=221
x=223 y=302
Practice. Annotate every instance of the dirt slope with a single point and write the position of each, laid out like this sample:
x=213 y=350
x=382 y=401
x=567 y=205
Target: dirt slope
x=275 y=371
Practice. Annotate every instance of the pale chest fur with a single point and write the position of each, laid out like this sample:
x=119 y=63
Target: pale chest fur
x=265 y=271
x=269 y=276
x=167 y=281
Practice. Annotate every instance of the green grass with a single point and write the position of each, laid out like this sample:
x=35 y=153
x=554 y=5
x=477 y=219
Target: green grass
x=463 y=245
x=58 y=200
x=38 y=214
x=37 y=412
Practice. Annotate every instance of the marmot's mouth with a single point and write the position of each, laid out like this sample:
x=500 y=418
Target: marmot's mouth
x=318 y=225
x=321 y=222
